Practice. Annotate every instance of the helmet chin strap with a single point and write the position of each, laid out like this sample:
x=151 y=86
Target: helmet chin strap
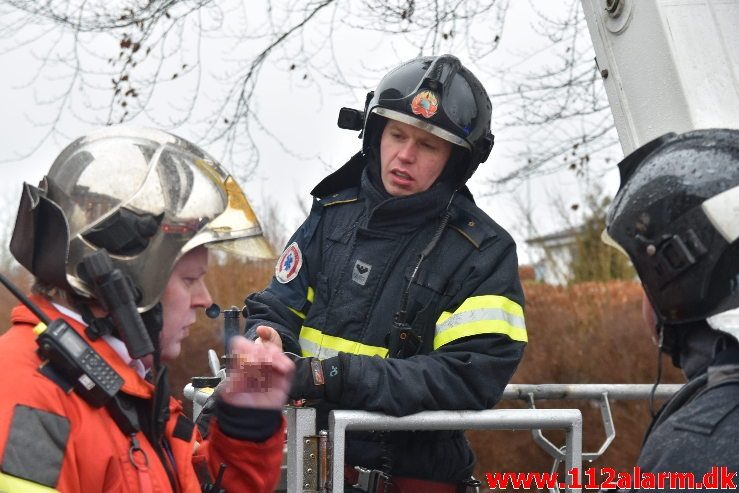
x=153 y=321
x=660 y=344
x=96 y=326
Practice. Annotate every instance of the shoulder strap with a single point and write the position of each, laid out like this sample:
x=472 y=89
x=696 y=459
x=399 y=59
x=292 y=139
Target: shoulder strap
x=721 y=375
x=475 y=230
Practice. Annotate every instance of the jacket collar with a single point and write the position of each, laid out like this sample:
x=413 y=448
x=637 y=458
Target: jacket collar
x=384 y=211
x=403 y=213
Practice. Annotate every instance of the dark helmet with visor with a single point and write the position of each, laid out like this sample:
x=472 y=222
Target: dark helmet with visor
x=676 y=215
x=439 y=95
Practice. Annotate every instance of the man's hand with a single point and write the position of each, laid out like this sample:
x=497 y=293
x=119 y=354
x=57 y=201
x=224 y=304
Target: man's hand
x=259 y=375
x=268 y=335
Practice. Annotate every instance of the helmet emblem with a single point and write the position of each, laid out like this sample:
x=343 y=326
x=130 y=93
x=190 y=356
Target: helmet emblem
x=425 y=103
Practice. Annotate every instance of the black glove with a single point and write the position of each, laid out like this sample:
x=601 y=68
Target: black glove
x=316 y=379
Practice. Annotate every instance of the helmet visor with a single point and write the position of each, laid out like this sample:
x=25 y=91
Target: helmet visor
x=608 y=240
x=236 y=230
x=423 y=125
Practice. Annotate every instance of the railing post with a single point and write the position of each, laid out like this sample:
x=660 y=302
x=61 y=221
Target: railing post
x=301 y=424
x=573 y=454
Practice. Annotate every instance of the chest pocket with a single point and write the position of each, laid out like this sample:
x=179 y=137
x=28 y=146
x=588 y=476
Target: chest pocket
x=429 y=293
x=336 y=250
x=334 y=257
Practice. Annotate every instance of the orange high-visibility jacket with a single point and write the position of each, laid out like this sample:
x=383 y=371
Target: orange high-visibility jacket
x=53 y=438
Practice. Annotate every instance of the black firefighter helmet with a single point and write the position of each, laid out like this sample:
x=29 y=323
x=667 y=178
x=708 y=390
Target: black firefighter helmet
x=436 y=94
x=676 y=215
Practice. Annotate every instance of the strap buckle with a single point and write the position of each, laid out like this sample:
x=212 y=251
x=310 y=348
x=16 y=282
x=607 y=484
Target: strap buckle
x=372 y=480
x=470 y=485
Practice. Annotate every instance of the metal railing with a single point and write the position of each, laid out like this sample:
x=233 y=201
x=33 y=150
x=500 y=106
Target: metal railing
x=600 y=392
x=569 y=420
x=309 y=469
x=588 y=391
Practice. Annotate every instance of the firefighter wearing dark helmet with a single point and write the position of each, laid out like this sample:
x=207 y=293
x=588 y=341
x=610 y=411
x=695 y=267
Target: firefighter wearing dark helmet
x=397 y=290
x=676 y=215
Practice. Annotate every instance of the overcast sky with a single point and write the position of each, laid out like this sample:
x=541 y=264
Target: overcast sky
x=304 y=120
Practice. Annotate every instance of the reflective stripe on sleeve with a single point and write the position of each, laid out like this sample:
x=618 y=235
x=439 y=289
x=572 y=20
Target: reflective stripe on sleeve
x=315 y=343
x=489 y=314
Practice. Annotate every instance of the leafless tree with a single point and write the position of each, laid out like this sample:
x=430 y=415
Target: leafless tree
x=121 y=60
x=555 y=101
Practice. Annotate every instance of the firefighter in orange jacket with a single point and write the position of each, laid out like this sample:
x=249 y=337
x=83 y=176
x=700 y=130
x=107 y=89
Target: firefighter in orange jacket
x=116 y=237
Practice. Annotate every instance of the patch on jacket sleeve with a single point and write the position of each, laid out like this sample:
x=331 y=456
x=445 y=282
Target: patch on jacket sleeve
x=289 y=263
x=35 y=447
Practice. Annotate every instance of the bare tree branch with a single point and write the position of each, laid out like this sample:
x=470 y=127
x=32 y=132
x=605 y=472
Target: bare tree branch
x=558 y=102
x=122 y=61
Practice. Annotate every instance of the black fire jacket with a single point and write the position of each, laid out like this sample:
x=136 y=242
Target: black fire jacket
x=342 y=279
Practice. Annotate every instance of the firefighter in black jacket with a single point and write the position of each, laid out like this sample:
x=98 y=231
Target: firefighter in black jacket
x=676 y=215
x=398 y=291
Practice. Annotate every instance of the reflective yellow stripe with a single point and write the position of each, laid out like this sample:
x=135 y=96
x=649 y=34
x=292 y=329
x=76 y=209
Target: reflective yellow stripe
x=487 y=301
x=490 y=314
x=17 y=485
x=315 y=343
x=478 y=328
